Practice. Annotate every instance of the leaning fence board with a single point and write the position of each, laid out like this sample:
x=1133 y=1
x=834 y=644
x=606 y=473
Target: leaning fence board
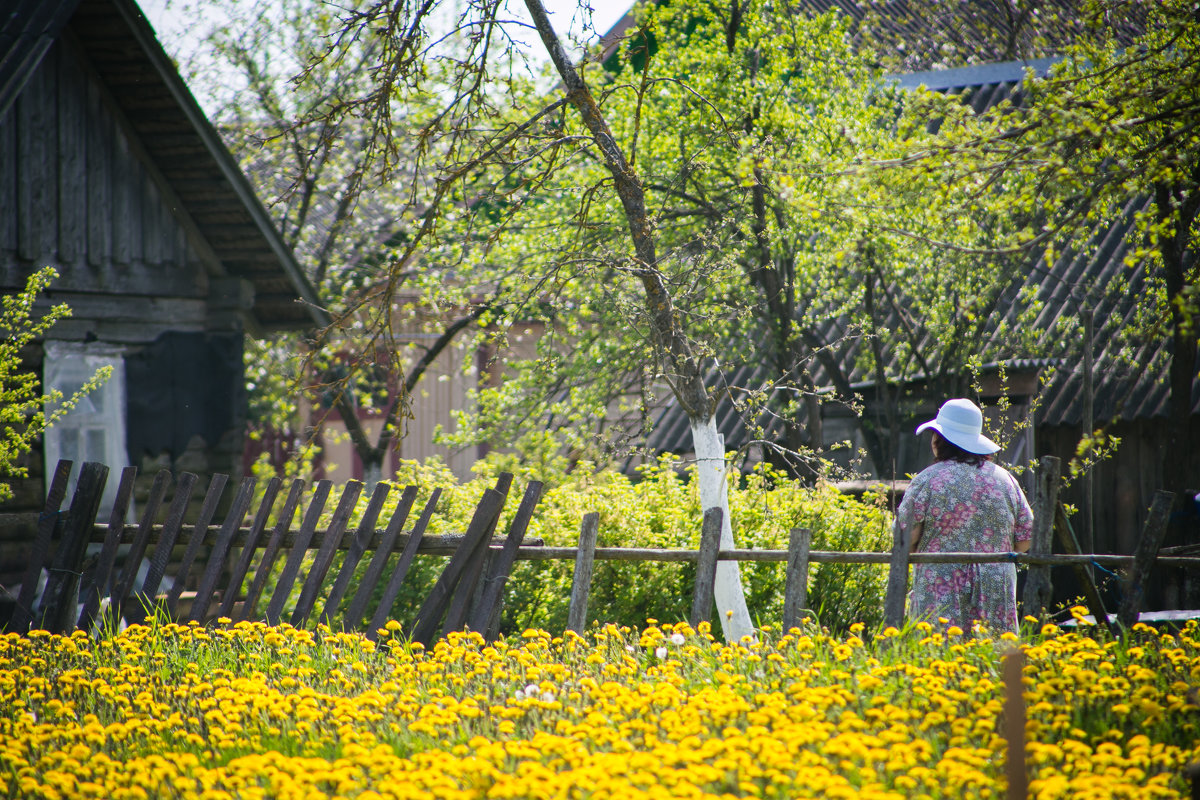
x=1012 y=667
x=374 y=573
x=324 y=558
x=434 y=607
x=162 y=550
x=62 y=584
x=1066 y=538
x=706 y=567
x=23 y=614
x=291 y=567
x=123 y=586
x=392 y=590
x=217 y=558
x=795 y=590
x=362 y=536
x=469 y=585
x=208 y=509
x=108 y=551
x=1133 y=587
x=267 y=562
x=238 y=575
x=485 y=617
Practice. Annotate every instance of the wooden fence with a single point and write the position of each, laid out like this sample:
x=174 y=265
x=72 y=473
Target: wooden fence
x=217 y=559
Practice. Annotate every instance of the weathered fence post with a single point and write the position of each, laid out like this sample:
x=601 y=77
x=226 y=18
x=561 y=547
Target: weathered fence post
x=1037 y=577
x=22 y=616
x=1134 y=588
x=897 y=586
x=62 y=586
x=795 y=591
x=1014 y=724
x=581 y=582
x=706 y=566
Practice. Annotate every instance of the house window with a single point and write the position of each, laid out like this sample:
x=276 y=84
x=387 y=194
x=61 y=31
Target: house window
x=94 y=430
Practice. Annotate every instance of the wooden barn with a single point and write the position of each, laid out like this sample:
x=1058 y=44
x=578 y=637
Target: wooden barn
x=111 y=174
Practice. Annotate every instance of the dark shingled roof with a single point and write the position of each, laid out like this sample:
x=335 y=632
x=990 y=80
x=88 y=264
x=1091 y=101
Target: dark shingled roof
x=216 y=196
x=1129 y=378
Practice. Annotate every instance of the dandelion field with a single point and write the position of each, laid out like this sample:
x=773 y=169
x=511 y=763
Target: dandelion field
x=248 y=711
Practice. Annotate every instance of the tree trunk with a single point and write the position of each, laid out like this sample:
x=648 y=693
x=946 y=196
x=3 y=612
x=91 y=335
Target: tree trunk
x=714 y=493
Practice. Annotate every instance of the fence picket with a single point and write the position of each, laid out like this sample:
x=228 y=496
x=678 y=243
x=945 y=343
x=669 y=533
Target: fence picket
x=123 y=586
x=238 y=575
x=392 y=590
x=296 y=557
x=1037 y=579
x=706 y=567
x=166 y=544
x=216 y=487
x=362 y=595
x=22 y=616
x=1066 y=538
x=469 y=585
x=897 y=585
x=358 y=546
x=324 y=557
x=581 y=579
x=62 y=585
x=267 y=562
x=434 y=607
x=220 y=551
x=485 y=617
x=108 y=551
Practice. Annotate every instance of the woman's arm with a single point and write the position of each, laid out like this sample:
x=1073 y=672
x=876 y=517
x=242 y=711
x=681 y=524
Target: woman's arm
x=1022 y=547
x=915 y=536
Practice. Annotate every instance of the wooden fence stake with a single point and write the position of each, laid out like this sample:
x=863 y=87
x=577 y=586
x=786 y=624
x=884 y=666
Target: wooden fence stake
x=392 y=590
x=22 y=616
x=238 y=575
x=108 y=551
x=62 y=586
x=358 y=546
x=706 y=567
x=795 y=591
x=217 y=558
x=581 y=582
x=324 y=558
x=1134 y=585
x=1012 y=667
x=485 y=617
x=199 y=532
x=274 y=544
x=897 y=586
x=1037 y=578
x=434 y=607
x=291 y=567
x=1066 y=538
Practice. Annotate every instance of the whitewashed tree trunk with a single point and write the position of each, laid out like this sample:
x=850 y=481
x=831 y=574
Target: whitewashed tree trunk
x=714 y=493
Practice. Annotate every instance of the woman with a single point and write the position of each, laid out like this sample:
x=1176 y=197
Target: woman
x=965 y=503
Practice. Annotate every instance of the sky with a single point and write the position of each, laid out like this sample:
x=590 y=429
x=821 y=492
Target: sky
x=164 y=15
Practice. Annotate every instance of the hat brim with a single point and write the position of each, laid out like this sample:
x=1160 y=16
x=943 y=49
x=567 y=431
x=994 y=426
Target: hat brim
x=978 y=444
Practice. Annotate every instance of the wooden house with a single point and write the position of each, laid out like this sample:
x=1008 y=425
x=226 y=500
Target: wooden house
x=111 y=174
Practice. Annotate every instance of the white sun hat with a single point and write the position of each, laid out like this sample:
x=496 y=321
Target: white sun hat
x=961 y=422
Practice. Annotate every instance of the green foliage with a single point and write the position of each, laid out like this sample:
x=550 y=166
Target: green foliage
x=23 y=407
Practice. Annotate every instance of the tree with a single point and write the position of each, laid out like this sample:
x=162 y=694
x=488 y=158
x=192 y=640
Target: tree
x=25 y=412
x=1113 y=122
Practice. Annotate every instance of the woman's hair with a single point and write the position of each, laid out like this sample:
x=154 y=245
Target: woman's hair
x=949 y=451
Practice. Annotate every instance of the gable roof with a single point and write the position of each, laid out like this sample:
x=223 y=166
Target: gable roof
x=231 y=230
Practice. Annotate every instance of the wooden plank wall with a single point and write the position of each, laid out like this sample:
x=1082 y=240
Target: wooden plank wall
x=76 y=193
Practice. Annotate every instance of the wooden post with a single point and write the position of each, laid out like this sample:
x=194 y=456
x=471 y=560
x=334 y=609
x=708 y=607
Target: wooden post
x=897 y=586
x=706 y=567
x=108 y=551
x=1014 y=724
x=435 y=605
x=23 y=613
x=220 y=552
x=62 y=586
x=1037 y=578
x=384 y=609
x=1134 y=585
x=795 y=593
x=581 y=583
x=1066 y=538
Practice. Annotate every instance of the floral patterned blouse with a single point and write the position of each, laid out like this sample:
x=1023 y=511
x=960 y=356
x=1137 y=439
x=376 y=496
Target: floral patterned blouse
x=966 y=508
